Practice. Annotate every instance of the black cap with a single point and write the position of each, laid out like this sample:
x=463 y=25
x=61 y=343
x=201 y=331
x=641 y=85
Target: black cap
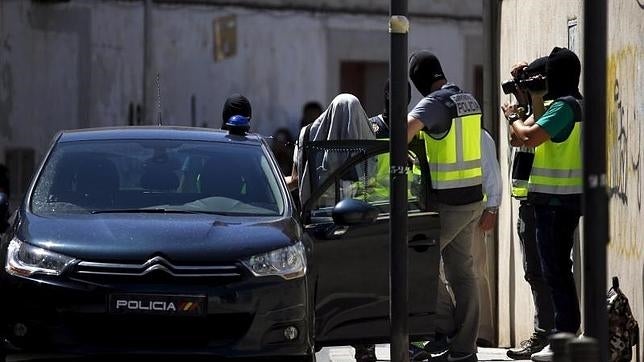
x=424 y=70
x=235 y=105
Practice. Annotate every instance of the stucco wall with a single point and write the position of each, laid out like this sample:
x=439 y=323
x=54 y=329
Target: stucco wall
x=80 y=63
x=529 y=29
x=65 y=67
x=625 y=148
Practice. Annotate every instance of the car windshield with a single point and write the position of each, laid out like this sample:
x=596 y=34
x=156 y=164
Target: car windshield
x=157 y=176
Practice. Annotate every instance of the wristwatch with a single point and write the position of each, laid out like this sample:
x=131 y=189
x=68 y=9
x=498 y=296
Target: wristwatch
x=513 y=117
x=492 y=210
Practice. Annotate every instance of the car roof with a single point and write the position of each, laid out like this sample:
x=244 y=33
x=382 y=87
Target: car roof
x=157 y=132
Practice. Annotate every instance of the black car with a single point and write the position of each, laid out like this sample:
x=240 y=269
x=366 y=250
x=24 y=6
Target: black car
x=183 y=241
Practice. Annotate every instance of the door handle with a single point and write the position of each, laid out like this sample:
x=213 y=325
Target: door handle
x=422 y=241
x=331 y=232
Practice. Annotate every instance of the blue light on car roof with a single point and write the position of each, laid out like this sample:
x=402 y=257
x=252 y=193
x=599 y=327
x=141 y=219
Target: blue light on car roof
x=238 y=124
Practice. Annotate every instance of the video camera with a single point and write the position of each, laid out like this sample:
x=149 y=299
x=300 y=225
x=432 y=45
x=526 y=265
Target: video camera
x=524 y=81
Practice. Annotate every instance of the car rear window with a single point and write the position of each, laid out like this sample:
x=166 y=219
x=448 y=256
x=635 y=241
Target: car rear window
x=157 y=175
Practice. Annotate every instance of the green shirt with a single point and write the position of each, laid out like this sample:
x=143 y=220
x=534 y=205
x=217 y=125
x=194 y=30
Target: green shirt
x=558 y=121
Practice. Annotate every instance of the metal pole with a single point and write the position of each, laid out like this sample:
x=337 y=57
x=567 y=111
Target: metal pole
x=147 y=58
x=595 y=193
x=398 y=309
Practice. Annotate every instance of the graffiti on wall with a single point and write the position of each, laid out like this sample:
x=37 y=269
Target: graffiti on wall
x=624 y=148
x=625 y=154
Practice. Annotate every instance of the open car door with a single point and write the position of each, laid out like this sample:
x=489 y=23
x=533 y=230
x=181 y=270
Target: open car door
x=351 y=259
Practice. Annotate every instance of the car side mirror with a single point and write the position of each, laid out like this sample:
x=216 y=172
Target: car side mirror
x=354 y=212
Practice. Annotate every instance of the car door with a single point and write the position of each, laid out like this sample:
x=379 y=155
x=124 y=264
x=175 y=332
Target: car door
x=351 y=263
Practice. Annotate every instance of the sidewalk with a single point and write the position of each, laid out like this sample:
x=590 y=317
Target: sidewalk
x=345 y=354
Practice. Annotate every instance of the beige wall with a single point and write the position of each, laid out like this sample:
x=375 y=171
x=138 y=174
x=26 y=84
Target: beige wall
x=529 y=29
x=625 y=147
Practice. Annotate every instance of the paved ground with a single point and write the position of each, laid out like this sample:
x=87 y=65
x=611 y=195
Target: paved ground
x=334 y=354
x=345 y=354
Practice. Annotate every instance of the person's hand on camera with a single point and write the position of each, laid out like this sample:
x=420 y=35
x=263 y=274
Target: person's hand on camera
x=510 y=109
x=518 y=68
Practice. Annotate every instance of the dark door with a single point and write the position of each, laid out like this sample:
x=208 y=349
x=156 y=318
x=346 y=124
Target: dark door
x=352 y=262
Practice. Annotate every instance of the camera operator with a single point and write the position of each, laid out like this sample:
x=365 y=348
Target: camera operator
x=522 y=164
x=555 y=183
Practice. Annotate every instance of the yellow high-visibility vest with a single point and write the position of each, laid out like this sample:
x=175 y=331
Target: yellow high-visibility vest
x=455 y=160
x=557 y=167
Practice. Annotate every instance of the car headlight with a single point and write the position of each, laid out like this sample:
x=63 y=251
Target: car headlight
x=25 y=260
x=288 y=262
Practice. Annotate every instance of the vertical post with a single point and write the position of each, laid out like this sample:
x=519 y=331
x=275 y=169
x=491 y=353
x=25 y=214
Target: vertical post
x=147 y=66
x=595 y=194
x=491 y=77
x=398 y=296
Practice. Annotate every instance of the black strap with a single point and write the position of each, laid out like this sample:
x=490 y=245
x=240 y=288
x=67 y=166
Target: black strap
x=575 y=104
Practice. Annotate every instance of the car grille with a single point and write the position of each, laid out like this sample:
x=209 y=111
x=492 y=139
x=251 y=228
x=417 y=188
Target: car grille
x=155 y=270
x=154 y=331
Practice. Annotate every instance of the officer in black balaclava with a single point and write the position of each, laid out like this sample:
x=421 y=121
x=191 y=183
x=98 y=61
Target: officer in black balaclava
x=235 y=105
x=380 y=123
x=448 y=121
x=563 y=70
x=557 y=136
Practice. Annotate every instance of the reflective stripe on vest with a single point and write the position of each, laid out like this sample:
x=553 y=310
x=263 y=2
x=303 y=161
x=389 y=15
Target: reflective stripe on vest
x=455 y=160
x=519 y=192
x=557 y=167
x=377 y=186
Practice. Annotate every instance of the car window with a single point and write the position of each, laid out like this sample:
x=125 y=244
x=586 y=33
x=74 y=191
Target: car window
x=370 y=182
x=189 y=176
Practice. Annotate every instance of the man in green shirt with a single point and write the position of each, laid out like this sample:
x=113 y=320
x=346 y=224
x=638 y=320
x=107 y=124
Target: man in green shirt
x=555 y=186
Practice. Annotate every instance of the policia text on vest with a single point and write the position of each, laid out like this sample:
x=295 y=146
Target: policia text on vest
x=455 y=158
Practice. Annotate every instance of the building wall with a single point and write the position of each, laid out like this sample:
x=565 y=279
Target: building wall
x=529 y=29
x=625 y=150
x=80 y=63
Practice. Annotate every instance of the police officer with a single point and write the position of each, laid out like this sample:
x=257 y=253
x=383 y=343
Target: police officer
x=555 y=185
x=451 y=123
x=236 y=104
x=522 y=164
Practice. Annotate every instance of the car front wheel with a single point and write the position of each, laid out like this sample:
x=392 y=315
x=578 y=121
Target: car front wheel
x=309 y=358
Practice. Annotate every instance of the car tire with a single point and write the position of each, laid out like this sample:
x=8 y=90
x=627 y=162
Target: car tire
x=308 y=358
x=3 y=350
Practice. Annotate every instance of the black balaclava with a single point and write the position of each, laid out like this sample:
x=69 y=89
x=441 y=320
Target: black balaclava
x=424 y=70
x=236 y=104
x=563 y=71
x=538 y=66
x=385 y=112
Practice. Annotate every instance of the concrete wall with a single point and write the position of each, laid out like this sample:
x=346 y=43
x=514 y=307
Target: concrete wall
x=530 y=28
x=432 y=8
x=80 y=63
x=625 y=148
x=283 y=59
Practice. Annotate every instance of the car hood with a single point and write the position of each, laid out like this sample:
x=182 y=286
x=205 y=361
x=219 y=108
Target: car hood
x=137 y=237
